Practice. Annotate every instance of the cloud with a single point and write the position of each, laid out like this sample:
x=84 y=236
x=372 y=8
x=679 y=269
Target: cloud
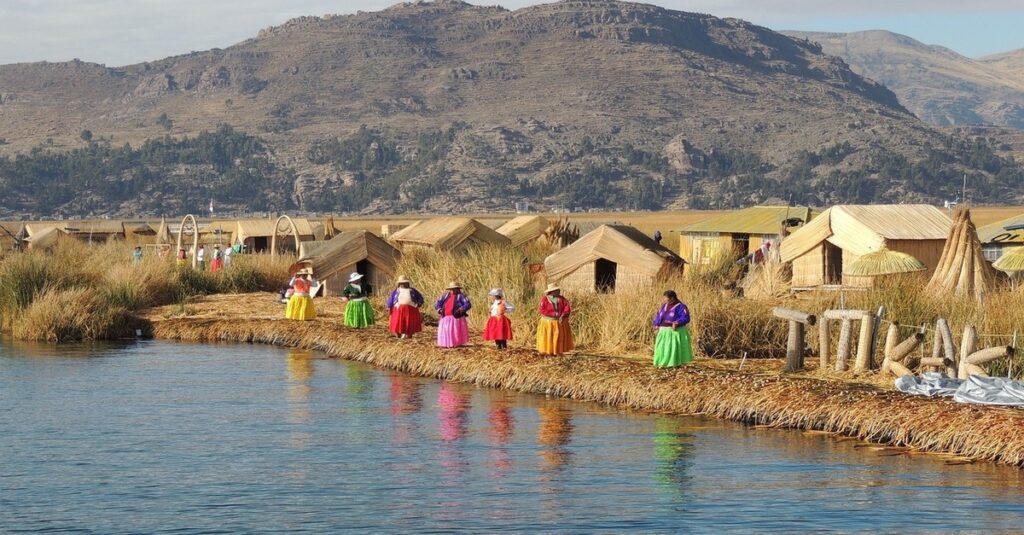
x=118 y=32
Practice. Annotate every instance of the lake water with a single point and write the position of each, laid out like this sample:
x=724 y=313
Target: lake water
x=155 y=437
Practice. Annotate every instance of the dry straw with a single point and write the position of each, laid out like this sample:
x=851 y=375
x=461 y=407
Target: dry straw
x=883 y=262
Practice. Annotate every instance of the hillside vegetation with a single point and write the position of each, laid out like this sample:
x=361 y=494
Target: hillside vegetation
x=448 y=107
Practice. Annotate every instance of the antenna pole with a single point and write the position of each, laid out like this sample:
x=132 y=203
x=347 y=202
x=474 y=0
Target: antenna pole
x=963 y=195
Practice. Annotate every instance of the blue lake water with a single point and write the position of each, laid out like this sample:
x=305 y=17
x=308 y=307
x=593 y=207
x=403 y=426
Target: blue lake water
x=161 y=437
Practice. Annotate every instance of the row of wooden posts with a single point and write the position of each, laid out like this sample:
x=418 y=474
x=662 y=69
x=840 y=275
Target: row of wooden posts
x=898 y=358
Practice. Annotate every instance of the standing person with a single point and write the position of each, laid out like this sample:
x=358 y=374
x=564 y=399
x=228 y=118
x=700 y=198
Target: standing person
x=452 y=307
x=137 y=255
x=218 y=259
x=499 y=327
x=201 y=258
x=672 y=347
x=404 y=305
x=182 y=257
x=657 y=237
x=554 y=335
x=358 y=312
x=227 y=256
x=300 y=304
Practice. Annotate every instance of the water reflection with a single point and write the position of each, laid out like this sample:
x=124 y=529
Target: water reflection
x=454 y=412
x=406 y=400
x=300 y=372
x=501 y=428
x=674 y=450
x=360 y=382
x=553 y=435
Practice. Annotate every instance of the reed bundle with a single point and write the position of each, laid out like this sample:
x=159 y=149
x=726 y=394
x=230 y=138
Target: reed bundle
x=860 y=411
x=962 y=270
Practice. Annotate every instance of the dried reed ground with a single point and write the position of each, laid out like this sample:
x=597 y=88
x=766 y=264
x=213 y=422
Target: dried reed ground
x=768 y=398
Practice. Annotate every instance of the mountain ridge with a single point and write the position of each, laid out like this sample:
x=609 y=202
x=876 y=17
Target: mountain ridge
x=446 y=106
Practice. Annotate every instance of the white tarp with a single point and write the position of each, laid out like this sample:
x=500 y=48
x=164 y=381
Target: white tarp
x=976 y=389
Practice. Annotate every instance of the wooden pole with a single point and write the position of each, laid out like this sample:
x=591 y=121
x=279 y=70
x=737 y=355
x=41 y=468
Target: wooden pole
x=936 y=350
x=988 y=355
x=898 y=369
x=867 y=324
x=794 y=315
x=968 y=345
x=795 y=347
x=823 y=344
x=906 y=347
x=843 y=351
x=891 y=339
x=947 y=346
x=852 y=315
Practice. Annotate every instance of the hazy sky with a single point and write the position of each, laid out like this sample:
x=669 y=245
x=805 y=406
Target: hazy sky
x=119 y=32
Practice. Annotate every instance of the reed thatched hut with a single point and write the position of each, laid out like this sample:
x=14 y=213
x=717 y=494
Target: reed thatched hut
x=996 y=238
x=524 y=229
x=841 y=234
x=447 y=234
x=740 y=233
x=258 y=234
x=43 y=237
x=611 y=258
x=356 y=250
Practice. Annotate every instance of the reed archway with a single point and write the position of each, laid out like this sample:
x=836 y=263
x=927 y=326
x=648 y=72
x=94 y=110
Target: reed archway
x=288 y=227
x=189 y=223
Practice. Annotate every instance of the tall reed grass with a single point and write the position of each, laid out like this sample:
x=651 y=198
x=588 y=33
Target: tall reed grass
x=78 y=291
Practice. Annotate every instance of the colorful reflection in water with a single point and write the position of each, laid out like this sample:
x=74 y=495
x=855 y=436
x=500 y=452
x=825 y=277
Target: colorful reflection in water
x=157 y=436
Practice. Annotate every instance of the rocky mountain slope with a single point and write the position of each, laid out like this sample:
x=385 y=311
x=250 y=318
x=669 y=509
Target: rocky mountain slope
x=937 y=84
x=445 y=106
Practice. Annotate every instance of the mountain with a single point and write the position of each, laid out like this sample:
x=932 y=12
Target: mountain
x=445 y=106
x=937 y=84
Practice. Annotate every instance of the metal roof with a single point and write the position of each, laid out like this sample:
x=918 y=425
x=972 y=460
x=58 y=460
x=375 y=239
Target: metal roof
x=997 y=232
x=753 y=220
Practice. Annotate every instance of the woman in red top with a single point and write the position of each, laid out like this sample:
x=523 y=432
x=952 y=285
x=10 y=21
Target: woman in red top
x=554 y=336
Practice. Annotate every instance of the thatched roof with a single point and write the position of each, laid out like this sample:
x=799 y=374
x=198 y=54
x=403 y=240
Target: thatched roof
x=1011 y=261
x=754 y=220
x=621 y=244
x=142 y=229
x=523 y=229
x=44 y=238
x=862 y=229
x=447 y=233
x=261 y=228
x=347 y=248
x=93 y=227
x=163 y=233
x=998 y=232
x=883 y=262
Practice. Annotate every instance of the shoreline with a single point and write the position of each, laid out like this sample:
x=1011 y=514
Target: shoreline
x=885 y=417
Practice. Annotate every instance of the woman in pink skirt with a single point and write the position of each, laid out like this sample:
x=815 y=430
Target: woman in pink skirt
x=452 y=307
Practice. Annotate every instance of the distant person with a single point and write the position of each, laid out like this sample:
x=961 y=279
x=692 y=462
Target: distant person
x=554 y=335
x=182 y=256
x=358 y=312
x=300 y=304
x=201 y=258
x=453 y=307
x=672 y=347
x=499 y=327
x=137 y=255
x=657 y=237
x=218 y=259
x=404 y=305
x=227 y=256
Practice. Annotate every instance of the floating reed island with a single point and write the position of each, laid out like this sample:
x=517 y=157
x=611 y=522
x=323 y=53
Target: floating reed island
x=764 y=398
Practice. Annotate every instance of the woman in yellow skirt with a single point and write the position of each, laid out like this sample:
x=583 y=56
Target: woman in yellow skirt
x=300 y=304
x=554 y=336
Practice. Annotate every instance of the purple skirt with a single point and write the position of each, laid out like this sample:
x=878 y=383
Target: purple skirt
x=452 y=332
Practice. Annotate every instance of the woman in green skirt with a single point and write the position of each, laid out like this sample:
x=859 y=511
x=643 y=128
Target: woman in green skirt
x=358 y=312
x=672 y=346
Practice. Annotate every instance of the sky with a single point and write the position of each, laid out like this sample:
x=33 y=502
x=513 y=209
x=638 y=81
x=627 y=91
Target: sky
x=121 y=32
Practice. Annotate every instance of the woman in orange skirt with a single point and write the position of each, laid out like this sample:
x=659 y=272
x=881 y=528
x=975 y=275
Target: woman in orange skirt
x=554 y=336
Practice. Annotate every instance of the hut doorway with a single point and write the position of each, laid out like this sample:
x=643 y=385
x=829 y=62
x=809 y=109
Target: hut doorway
x=260 y=244
x=740 y=245
x=605 y=272
x=833 y=268
x=369 y=272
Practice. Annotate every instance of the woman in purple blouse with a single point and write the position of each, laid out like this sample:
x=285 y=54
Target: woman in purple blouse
x=672 y=347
